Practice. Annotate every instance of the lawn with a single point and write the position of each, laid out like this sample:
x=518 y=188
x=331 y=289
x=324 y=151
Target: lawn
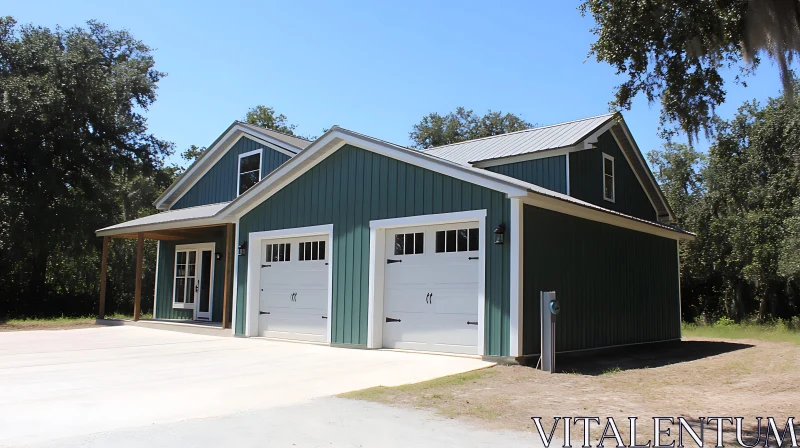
x=694 y=378
x=56 y=323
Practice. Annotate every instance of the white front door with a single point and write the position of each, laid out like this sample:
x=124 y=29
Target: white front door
x=431 y=288
x=293 y=296
x=194 y=279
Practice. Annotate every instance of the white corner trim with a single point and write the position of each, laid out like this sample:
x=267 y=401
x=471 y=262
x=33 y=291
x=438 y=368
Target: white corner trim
x=517 y=297
x=613 y=197
x=377 y=244
x=254 y=270
x=260 y=152
x=235 y=292
x=155 y=286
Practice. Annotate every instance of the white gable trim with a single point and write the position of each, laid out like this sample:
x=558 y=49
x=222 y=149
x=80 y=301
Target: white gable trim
x=212 y=156
x=335 y=139
x=627 y=132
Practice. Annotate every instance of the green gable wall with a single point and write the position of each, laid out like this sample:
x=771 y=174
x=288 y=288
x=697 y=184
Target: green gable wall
x=616 y=286
x=586 y=180
x=549 y=172
x=165 y=279
x=220 y=182
x=349 y=189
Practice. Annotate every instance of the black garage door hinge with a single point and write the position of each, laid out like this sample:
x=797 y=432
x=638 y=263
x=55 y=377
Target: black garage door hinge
x=391 y=319
x=472 y=322
x=263 y=312
x=390 y=261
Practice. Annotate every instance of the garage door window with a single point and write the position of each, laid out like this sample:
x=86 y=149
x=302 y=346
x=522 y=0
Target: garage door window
x=409 y=243
x=312 y=250
x=278 y=252
x=459 y=240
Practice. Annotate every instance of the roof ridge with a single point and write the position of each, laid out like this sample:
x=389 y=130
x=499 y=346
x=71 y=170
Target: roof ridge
x=273 y=130
x=518 y=132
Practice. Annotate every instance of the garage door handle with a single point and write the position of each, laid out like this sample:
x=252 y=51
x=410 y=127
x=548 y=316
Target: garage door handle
x=390 y=261
x=263 y=312
x=391 y=319
x=471 y=322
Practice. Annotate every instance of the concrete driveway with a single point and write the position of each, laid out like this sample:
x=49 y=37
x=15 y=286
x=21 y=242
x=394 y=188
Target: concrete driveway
x=66 y=385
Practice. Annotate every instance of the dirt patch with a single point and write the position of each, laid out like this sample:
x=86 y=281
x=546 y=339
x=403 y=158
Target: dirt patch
x=55 y=324
x=694 y=378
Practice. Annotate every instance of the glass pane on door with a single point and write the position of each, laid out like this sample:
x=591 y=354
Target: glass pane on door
x=191 y=274
x=205 y=281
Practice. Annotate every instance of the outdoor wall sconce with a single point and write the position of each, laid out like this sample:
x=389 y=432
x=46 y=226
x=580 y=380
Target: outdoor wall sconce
x=243 y=249
x=498 y=234
x=218 y=256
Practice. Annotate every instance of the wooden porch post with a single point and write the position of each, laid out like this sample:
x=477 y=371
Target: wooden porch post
x=137 y=300
x=228 y=291
x=101 y=313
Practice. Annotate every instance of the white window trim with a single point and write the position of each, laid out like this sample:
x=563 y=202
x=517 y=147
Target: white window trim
x=377 y=249
x=254 y=271
x=260 y=153
x=613 y=197
x=193 y=306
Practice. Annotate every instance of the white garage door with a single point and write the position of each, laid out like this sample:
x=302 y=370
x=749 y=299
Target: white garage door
x=431 y=295
x=293 y=300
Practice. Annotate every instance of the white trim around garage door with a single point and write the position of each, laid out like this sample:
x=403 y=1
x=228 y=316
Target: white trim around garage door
x=377 y=244
x=254 y=270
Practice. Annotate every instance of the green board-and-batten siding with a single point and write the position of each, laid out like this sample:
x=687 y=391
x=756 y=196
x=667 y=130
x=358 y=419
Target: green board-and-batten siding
x=220 y=182
x=548 y=172
x=616 y=286
x=165 y=280
x=349 y=189
x=586 y=180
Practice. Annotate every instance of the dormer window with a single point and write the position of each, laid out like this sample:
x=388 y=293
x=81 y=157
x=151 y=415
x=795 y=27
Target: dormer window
x=608 y=178
x=249 y=170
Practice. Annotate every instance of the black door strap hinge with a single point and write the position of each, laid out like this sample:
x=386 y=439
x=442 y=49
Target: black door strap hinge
x=391 y=319
x=472 y=258
x=266 y=265
x=324 y=317
x=263 y=312
x=471 y=322
x=390 y=261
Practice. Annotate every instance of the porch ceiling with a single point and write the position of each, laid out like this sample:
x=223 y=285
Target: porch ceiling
x=184 y=233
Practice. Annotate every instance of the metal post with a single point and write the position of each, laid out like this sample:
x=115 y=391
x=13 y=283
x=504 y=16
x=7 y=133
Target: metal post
x=548 y=325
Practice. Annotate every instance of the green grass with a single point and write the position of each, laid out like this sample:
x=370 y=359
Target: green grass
x=611 y=371
x=777 y=331
x=66 y=319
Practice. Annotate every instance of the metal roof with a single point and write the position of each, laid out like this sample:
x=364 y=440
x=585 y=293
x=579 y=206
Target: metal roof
x=184 y=217
x=521 y=142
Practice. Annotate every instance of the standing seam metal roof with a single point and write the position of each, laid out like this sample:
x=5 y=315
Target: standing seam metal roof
x=521 y=142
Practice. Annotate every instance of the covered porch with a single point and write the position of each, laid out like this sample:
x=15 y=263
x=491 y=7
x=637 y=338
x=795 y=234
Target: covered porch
x=193 y=272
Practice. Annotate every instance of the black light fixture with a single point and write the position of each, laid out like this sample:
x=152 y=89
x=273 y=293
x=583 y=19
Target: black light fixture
x=499 y=231
x=243 y=248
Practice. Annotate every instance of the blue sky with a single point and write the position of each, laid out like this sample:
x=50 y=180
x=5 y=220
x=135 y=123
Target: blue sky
x=373 y=67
